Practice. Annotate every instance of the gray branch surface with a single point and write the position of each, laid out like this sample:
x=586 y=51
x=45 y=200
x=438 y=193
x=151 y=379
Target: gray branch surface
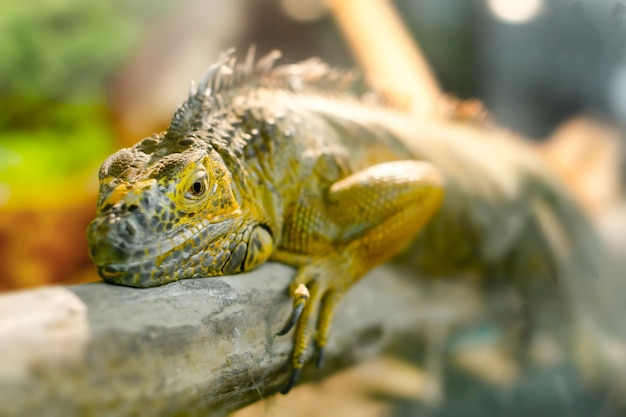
x=194 y=347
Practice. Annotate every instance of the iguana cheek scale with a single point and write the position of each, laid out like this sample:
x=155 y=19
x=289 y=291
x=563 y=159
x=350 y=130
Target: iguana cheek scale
x=283 y=163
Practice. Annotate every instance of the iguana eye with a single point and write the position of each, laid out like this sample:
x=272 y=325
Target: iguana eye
x=198 y=186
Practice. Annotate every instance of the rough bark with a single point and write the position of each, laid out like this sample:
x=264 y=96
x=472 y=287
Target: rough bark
x=192 y=348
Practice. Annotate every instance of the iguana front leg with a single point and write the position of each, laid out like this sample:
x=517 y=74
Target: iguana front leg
x=363 y=220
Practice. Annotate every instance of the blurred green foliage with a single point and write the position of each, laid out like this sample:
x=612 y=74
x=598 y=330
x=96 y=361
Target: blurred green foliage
x=67 y=49
x=63 y=139
x=56 y=59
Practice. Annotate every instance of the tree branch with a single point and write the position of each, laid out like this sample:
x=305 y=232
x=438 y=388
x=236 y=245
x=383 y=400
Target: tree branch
x=194 y=347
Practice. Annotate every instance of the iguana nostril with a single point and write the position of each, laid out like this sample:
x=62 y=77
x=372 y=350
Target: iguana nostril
x=130 y=229
x=133 y=208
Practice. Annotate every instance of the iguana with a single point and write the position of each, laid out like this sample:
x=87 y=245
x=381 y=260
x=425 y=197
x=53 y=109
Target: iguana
x=285 y=163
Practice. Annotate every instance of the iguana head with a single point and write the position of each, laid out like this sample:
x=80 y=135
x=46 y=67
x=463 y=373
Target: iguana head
x=167 y=210
x=176 y=205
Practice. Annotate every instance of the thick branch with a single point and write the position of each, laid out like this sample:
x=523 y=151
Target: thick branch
x=195 y=347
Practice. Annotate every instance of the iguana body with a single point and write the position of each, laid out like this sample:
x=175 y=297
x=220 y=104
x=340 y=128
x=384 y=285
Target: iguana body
x=282 y=163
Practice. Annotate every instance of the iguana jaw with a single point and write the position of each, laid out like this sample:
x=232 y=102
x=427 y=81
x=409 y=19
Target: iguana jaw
x=131 y=258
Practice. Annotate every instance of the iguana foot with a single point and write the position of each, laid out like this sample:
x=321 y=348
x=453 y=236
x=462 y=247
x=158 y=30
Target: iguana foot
x=312 y=313
x=299 y=301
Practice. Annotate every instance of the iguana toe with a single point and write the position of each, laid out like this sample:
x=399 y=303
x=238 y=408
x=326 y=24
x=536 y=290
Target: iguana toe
x=301 y=296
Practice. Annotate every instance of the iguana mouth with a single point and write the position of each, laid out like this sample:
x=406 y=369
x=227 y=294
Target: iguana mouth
x=189 y=252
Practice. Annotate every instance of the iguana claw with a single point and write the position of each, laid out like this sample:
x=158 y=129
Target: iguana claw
x=319 y=362
x=292 y=320
x=301 y=296
x=295 y=374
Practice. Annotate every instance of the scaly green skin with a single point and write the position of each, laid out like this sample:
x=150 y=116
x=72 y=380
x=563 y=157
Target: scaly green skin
x=281 y=163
